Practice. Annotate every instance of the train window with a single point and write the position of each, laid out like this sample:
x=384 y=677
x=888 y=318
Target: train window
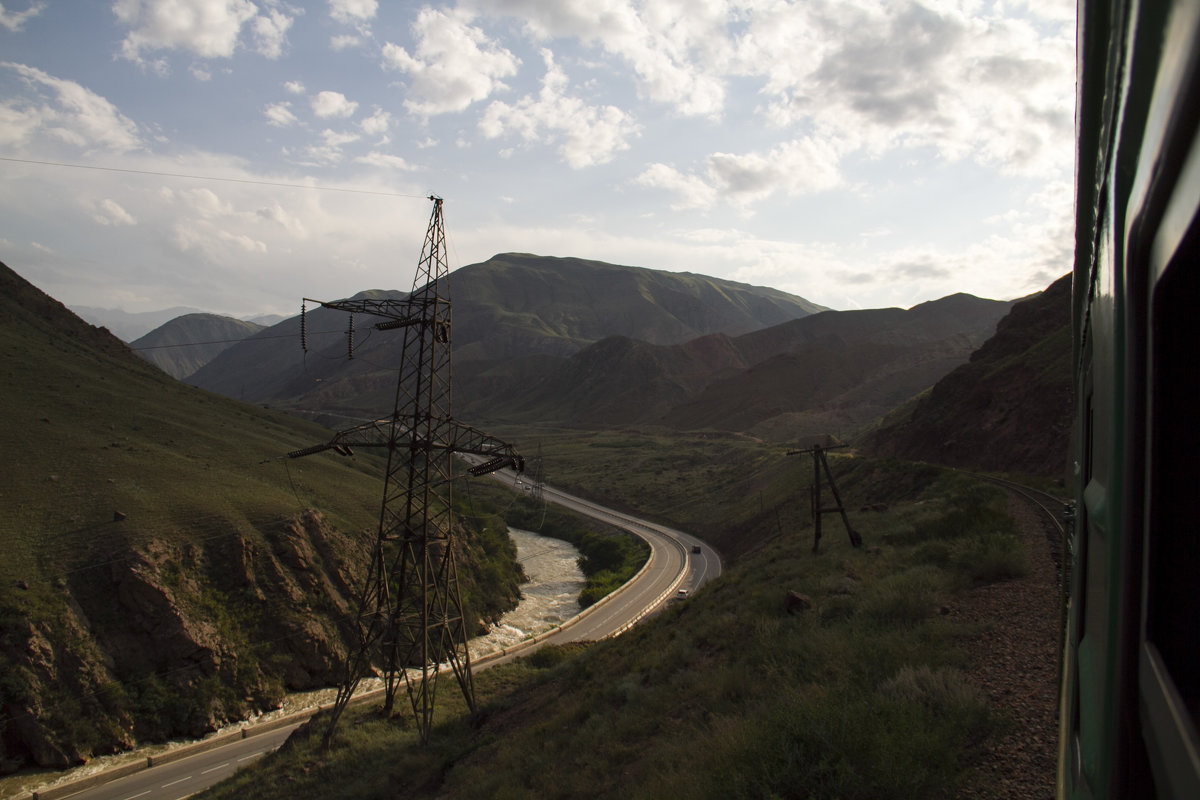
x=1173 y=546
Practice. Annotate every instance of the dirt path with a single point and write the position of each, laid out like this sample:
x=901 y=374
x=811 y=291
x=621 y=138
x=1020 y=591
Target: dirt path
x=1015 y=661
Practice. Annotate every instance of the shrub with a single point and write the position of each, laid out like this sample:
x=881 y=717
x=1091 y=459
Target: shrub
x=993 y=557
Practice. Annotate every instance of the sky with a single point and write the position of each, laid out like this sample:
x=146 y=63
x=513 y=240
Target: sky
x=238 y=155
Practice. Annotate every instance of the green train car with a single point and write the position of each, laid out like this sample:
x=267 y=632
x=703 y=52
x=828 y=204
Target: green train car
x=1130 y=694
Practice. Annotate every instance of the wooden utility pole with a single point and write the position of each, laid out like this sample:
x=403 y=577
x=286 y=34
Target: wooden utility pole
x=818 y=509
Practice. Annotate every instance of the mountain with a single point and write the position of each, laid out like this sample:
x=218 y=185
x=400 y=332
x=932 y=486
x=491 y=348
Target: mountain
x=165 y=570
x=518 y=304
x=186 y=343
x=129 y=326
x=511 y=306
x=829 y=372
x=1008 y=409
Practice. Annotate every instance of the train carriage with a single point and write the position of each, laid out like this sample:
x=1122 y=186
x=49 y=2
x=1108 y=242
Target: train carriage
x=1130 y=701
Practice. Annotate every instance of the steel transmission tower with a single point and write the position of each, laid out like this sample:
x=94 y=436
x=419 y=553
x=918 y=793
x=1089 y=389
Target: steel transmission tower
x=410 y=623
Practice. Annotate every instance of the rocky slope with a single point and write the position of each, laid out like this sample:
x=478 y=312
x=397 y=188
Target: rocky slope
x=1008 y=409
x=163 y=569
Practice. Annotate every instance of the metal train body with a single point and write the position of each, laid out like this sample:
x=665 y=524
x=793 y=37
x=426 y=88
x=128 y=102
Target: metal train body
x=1130 y=701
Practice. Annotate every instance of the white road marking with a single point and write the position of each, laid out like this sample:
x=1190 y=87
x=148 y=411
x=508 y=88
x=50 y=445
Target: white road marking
x=172 y=783
x=139 y=794
x=214 y=769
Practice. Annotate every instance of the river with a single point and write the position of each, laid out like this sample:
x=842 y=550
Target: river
x=549 y=598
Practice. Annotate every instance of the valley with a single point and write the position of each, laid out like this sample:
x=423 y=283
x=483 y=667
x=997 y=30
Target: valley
x=686 y=429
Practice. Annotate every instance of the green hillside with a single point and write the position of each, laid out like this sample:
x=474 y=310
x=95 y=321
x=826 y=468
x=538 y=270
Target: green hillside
x=164 y=569
x=859 y=692
x=185 y=344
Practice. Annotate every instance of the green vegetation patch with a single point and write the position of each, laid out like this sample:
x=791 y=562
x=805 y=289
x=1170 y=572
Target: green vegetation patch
x=859 y=692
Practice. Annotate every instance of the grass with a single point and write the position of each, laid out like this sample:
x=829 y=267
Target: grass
x=728 y=695
x=205 y=501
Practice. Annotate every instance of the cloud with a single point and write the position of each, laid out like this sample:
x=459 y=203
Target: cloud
x=454 y=64
x=111 y=213
x=693 y=192
x=377 y=159
x=64 y=111
x=270 y=33
x=799 y=167
x=376 y=124
x=677 y=50
x=329 y=150
x=207 y=28
x=333 y=104
x=886 y=76
x=587 y=135
x=294 y=87
x=280 y=115
x=345 y=42
x=15 y=20
x=351 y=12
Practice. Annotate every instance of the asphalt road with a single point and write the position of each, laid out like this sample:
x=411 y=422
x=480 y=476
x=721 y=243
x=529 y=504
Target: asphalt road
x=677 y=561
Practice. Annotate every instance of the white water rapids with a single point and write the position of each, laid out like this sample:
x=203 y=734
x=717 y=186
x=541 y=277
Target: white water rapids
x=550 y=598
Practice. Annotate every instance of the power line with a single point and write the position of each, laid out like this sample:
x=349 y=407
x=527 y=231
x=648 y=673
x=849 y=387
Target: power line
x=208 y=178
x=229 y=341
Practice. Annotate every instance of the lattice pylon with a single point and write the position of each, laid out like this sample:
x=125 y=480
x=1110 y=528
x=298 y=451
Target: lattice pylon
x=410 y=623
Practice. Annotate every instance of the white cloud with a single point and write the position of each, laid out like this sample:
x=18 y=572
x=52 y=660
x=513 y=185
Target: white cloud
x=332 y=104
x=799 y=167
x=15 y=20
x=345 y=42
x=587 y=135
x=280 y=115
x=351 y=12
x=63 y=110
x=270 y=33
x=112 y=214
x=329 y=149
x=290 y=222
x=200 y=73
x=338 y=138
x=294 y=87
x=376 y=124
x=676 y=49
x=693 y=192
x=886 y=76
x=208 y=28
x=376 y=159
x=454 y=64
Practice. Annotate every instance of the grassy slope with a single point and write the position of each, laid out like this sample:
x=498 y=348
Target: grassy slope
x=183 y=345
x=728 y=695
x=91 y=430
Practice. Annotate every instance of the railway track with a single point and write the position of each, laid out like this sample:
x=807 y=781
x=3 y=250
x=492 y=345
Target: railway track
x=1050 y=505
x=1054 y=509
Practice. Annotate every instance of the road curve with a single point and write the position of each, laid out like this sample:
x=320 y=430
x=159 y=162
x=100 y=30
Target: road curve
x=677 y=561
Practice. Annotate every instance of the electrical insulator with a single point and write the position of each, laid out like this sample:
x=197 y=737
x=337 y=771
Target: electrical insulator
x=303 y=329
x=350 y=338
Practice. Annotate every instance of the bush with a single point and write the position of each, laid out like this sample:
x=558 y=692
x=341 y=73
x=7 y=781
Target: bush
x=993 y=557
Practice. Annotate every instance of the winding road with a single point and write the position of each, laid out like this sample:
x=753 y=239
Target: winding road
x=678 y=561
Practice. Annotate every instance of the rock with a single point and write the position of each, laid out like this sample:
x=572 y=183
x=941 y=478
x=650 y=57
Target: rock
x=795 y=602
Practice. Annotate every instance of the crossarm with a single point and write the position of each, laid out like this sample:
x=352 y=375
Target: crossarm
x=460 y=438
